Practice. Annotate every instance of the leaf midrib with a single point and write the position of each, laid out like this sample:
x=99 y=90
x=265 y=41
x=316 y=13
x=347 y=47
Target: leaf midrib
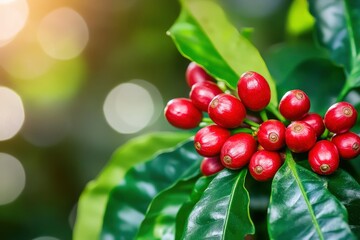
x=223 y=237
x=349 y=28
x=291 y=163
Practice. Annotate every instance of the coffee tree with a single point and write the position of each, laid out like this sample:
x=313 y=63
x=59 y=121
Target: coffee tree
x=256 y=156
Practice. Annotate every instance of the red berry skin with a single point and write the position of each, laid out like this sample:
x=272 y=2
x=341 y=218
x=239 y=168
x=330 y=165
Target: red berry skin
x=294 y=105
x=300 y=137
x=254 y=91
x=182 y=113
x=271 y=135
x=340 y=117
x=348 y=145
x=316 y=122
x=227 y=111
x=237 y=150
x=264 y=164
x=202 y=93
x=209 y=140
x=211 y=165
x=324 y=157
x=195 y=73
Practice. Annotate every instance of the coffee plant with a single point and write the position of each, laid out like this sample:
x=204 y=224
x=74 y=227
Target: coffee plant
x=257 y=155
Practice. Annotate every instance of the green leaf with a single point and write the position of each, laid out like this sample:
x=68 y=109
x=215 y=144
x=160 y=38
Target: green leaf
x=299 y=10
x=223 y=210
x=129 y=201
x=343 y=186
x=302 y=208
x=338 y=29
x=185 y=210
x=92 y=203
x=319 y=78
x=159 y=222
x=293 y=54
x=208 y=38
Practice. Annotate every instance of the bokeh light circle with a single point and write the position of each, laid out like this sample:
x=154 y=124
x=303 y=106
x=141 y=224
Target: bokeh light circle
x=128 y=108
x=13 y=16
x=155 y=95
x=12 y=113
x=12 y=178
x=63 y=34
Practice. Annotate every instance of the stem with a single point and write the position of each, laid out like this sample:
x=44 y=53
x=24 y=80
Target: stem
x=242 y=130
x=344 y=91
x=325 y=134
x=263 y=115
x=207 y=120
x=276 y=112
x=204 y=124
x=222 y=86
x=251 y=123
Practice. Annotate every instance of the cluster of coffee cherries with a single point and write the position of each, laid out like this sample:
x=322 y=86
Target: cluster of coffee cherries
x=236 y=131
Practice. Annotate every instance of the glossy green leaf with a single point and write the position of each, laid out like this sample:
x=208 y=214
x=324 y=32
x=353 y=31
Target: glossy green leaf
x=223 y=210
x=159 y=222
x=338 y=29
x=301 y=207
x=129 y=201
x=321 y=81
x=343 y=186
x=208 y=38
x=185 y=210
x=92 y=203
x=293 y=54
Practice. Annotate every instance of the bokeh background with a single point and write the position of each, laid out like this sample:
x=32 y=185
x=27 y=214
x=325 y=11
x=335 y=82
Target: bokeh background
x=79 y=78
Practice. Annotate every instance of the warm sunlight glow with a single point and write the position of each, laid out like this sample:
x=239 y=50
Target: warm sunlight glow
x=6 y=1
x=13 y=16
x=63 y=34
x=26 y=62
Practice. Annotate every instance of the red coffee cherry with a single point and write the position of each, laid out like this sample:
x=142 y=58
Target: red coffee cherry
x=324 y=157
x=227 y=111
x=182 y=113
x=340 y=117
x=348 y=145
x=195 y=73
x=237 y=150
x=209 y=140
x=294 y=105
x=211 y=165
x=264 y=164
x=202 y=93
x=254 y=91
x=271 y=135
x=316 y=122
x=300 y=137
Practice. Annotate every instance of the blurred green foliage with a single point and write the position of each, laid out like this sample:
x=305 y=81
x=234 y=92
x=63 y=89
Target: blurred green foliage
x=128 y=41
